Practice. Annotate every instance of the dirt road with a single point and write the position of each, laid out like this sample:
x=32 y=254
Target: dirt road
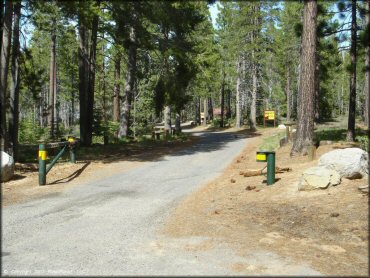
x=112 y=226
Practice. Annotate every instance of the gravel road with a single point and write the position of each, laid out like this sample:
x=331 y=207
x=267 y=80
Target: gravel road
x=111 y=226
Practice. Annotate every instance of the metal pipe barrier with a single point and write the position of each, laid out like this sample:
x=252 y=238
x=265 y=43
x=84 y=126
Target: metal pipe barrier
x=69 y=144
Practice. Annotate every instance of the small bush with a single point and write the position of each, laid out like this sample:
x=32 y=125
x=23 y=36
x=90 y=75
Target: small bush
x=364 y=142
x=30 y=133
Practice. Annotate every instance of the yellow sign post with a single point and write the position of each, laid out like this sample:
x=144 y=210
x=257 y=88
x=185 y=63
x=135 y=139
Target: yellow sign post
x=269 y=115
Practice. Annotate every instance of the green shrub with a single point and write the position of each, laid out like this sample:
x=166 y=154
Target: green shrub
x=30 y=133
x=364 y=142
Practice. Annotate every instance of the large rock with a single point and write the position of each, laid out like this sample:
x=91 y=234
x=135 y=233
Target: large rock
x=7 y=166
x=350 y=163
x=318 y=178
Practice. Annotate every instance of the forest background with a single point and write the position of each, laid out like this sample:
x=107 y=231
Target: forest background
x=109 y=71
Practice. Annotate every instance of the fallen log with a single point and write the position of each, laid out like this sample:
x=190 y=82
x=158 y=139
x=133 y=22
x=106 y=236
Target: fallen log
x=259 y=172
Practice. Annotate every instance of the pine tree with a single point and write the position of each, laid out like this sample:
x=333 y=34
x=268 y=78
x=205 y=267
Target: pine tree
x=306 y=108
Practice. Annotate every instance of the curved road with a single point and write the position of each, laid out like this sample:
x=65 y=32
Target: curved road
x=110 y=226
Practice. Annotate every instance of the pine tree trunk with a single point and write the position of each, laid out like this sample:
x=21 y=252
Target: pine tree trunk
x=1 y=22
x=92 y=70
x=83 y=73
x=197 y=110
x=178 y=123
x=253 y=122
x=129 y=87
x=222 y=98
x=317 y=88
x=205 y=111
x=306 y=110
x=117 y=89
x=167 y=119
x=14 y=89
x=228 y=104
x=351 y=134
x=51 y=107
x=288 y=94
x=104 y=89
x=72 y=115
x=367 y=67
x=210 y=109
x=4 y=67
x=237 y=102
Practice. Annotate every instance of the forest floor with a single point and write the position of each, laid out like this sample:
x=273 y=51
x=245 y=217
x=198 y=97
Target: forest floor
x=326 y=229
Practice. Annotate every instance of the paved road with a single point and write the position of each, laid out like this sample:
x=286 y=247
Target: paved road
x=110 y=226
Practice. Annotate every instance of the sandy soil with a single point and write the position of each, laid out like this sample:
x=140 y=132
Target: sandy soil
x=326 y=229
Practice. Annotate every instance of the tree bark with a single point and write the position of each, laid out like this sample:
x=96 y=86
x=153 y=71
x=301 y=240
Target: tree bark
x=253 y=122
x=14 y=88
x=288 y=93
x=104 y=89
x=317 y=87
x=367 y=66
x=237 y=102
x=222 y=98
x=91 y=80
x=205 y=111
x=51 y=106
x=83 y=73
x=1 y=23
x=117 y=88
x=198 y=110
x=351 y=133
x=129 y=87
x=228 y=104
x=306 y=110
x=4 y=67
x=178 y=123
x=210 y=109
x=167 y=119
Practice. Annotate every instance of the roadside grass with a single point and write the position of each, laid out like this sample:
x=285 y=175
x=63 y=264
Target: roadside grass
x=272 y=143
x=339 y=134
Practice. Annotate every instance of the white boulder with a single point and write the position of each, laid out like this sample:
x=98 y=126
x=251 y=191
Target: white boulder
x=7 y=166
x=350 y=163
x=318 y=178
x=281 y=127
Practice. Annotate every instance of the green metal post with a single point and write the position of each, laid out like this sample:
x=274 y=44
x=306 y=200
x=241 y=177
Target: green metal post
x=56 y=159
x=72 y=154
x=270 y=168
x=72 y=149
x=42 y=164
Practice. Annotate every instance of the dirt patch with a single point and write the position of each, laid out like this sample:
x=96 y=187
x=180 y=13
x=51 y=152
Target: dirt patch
x=326 y=229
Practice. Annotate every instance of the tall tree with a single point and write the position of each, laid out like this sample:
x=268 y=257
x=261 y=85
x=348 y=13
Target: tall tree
x=367 y=65
x=14 y=88
x=306 y=108
x=117 y=87
x=4 y=68
x=351 y=131
x=88 y=21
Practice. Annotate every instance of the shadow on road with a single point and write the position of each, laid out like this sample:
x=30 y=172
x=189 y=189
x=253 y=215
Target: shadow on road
x=200 y=141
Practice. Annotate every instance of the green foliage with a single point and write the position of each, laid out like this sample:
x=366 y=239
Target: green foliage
x=364 y=142
x=272 y=143
x=31 y=133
